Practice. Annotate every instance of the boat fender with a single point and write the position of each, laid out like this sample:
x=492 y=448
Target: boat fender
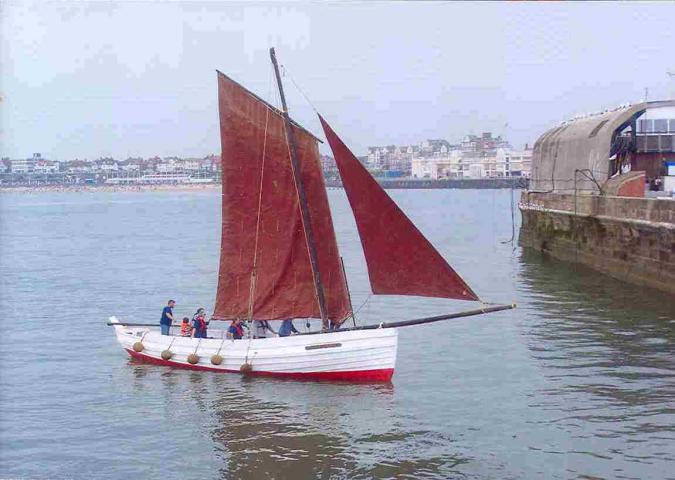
x=193 y=358
x=246 y=368
x=166 y=354
x=138 y=347
x=216 y=359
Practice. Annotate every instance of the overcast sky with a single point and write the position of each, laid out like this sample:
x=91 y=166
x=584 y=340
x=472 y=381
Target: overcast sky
x=117 y=79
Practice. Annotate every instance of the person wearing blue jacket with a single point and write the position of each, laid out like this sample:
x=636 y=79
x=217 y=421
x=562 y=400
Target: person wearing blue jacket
x=287 y=328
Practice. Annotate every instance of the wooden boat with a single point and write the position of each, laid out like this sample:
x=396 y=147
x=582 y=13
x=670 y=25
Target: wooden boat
x=279 y=257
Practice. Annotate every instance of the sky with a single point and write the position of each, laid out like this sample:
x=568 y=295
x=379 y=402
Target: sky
x=96 y=79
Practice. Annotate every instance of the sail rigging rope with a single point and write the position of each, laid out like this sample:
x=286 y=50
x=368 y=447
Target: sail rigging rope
x=363 y=304
x=286 y=73
x=257 y=223
x=254 y=273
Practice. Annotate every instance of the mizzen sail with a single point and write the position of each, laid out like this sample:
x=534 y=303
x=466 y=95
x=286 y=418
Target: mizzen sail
x=401 y=261
x=265 y=270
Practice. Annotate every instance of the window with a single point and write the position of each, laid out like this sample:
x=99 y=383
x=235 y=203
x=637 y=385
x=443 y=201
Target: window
x=661 y=125
x=645 y=126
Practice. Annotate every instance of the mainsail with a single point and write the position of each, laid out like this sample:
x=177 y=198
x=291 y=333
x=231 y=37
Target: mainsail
x=401 y=261
x=265 y=271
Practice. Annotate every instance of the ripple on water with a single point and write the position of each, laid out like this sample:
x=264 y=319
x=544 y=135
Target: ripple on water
x=576 y=383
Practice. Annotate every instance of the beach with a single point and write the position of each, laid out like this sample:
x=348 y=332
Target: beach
x=181 y=187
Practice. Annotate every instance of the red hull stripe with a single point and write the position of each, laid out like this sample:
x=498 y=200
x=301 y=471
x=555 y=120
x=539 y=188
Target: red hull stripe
x=380 y=375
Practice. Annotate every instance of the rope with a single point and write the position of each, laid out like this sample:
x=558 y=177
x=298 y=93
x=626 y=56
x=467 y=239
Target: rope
x=254 y=274
x=221 y=346
x=513 y=224
x=257 y=224
x=363 y=304
x=299 y=89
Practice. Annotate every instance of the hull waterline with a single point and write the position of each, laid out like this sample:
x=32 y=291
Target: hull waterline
x=349 y=356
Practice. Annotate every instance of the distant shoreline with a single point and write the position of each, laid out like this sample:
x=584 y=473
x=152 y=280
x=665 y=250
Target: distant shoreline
x=401 y=183
x=186 y=187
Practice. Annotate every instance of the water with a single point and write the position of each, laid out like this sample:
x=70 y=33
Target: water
x=578 y=382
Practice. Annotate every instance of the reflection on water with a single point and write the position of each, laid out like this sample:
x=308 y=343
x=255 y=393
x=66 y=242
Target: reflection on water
x=607 y=350
x=279 y=429
x=578 y=382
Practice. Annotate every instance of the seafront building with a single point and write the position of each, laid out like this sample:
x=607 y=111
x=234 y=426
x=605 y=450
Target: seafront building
x=475 y=157
x=106 y=170
x=601 y=193
x=456 y=164
x=484 y=156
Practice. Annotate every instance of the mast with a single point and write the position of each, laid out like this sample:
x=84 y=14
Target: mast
x=302 y=198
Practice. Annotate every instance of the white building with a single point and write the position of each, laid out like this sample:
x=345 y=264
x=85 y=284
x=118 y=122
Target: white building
x=191 y=165
x=46 y=166
x=23 y=166
x=449 y=165
x=109 y=166
x=513 y=163
x=458 y=164
x=166 y=167
x=131 y=167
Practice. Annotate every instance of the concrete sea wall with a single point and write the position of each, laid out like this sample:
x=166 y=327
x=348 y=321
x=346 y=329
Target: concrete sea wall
x=632 y=239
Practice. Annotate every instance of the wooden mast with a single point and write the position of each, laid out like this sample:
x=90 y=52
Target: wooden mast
x=304 y=209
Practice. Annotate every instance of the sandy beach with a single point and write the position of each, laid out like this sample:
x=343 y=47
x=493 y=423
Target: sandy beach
x=109 y=188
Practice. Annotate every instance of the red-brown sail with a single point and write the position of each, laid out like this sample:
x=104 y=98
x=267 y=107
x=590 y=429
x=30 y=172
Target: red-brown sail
x=401 y=261
x=260 y=206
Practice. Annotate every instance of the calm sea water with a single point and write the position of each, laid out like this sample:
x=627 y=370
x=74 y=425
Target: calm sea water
x=578 y=382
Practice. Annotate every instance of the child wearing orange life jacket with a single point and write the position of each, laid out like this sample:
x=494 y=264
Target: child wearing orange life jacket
x=185 y=328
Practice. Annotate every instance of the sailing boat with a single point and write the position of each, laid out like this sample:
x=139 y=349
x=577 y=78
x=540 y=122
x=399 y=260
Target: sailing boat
x=279 y=257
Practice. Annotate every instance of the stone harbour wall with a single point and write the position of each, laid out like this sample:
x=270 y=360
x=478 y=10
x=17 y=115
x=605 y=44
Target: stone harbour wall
x=632 y=239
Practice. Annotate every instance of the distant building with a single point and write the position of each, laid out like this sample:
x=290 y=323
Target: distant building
x=166 y=167
x=46 y=166
x=513 y=163
x=457 y=164
x=78 y=166
x=23 y=166
x=483 y=145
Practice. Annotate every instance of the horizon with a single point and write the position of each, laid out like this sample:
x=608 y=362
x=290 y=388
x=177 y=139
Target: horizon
x=138 y=80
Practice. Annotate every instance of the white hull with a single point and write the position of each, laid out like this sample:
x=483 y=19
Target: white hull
x=358 y=355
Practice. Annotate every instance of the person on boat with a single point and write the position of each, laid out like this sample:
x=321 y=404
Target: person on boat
x=167 y=317
x=236 y=330
x=185 y=328
x=287 y=328
x=199 y=324
x=261 y=327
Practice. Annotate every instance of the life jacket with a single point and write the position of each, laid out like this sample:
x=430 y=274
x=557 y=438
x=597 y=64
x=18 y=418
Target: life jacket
x=199 y=322
x=239 y=331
